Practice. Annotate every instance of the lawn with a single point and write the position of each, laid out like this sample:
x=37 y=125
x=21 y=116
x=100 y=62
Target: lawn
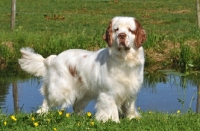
x=51 y=26
x=62 y=121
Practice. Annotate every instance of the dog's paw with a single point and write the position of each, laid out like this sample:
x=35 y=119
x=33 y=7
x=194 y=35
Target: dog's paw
x=104 y=117
x=133 y=114
x=42 y=110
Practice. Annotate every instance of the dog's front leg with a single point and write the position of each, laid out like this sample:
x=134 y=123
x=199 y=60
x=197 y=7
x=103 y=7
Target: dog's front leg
x=44 y=108
x=129 y=109
x=106 y=108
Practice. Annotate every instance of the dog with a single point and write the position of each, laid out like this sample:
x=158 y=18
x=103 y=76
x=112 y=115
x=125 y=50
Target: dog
x=112 y=76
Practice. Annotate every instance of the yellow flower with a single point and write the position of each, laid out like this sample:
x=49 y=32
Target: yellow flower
x=48 y=120
x=150 y=112
x=35 y=124
x=92 y=123
x=178 y=112
x=55 y=129
x=13 y=118
x=139 y=108
x=5 y=123
x=60 y=112
x=79 y=124
x=67 y=115
x=89 y=114
x=137 y=118
x=32 y=118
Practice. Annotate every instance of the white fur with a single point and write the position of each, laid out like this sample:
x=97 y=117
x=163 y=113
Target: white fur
x=113 y=76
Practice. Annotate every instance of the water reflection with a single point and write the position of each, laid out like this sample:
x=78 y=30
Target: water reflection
x=174 y=90
x=3 y=92
x=165 y=91
x=15 y=96
x=198 y=99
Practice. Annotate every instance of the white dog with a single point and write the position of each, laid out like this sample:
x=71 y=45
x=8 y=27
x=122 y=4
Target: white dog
x=112 y=75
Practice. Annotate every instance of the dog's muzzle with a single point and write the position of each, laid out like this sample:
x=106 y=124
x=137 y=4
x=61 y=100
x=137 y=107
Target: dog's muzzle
x=122 y=43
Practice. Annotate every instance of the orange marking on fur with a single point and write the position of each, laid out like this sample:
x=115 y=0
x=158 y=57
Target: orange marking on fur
x=72 y=71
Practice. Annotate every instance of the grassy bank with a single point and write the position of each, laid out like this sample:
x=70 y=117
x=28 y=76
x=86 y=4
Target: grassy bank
x=60 y=121
x=51 y=26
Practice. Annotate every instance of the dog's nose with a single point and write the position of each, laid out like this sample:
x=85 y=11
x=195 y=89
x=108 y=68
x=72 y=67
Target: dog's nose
x=121 y=35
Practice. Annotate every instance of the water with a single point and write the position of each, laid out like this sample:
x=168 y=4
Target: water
x=166 y=93
x=167 y=98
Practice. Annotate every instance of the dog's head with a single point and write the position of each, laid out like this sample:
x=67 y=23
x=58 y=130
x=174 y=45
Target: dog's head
x=124 y=33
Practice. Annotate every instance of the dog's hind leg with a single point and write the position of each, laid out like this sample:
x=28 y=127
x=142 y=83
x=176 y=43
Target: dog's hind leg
x=79 y=105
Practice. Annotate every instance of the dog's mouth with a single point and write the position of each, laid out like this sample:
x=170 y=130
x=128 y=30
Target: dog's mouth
x=123 y=46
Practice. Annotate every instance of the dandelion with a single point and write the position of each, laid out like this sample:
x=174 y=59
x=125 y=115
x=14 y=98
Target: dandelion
x=5 y=123
x=55 y=129
x=48 y=120
x=32 y=118
x=89 y=114
x=137 y=118
x=139 y=108
x=79 y=124
x=92 y=123
x=60 y=112
x=35 y=124
x=67 y=115
x=13 y=118
x=178 y=112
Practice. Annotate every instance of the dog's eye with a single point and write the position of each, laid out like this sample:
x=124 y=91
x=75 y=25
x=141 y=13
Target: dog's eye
x=116 y=29
x=132 y=31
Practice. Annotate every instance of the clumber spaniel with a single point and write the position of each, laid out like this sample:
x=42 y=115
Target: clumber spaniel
x=112 y=76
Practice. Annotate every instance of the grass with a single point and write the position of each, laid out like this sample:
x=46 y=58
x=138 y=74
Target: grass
x=61 y=120
x=52 y=26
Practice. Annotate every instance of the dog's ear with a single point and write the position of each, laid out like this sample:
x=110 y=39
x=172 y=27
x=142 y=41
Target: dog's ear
x=140 y=34
x=108 y=35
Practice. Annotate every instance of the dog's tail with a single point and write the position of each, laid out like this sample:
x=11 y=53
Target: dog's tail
x=34 y=63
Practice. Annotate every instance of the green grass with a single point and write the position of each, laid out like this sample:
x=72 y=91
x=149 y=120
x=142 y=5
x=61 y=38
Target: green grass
x=51 y=26
x=62 y=121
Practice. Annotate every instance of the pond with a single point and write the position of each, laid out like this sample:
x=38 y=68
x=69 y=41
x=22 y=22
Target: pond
x=165 y=91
